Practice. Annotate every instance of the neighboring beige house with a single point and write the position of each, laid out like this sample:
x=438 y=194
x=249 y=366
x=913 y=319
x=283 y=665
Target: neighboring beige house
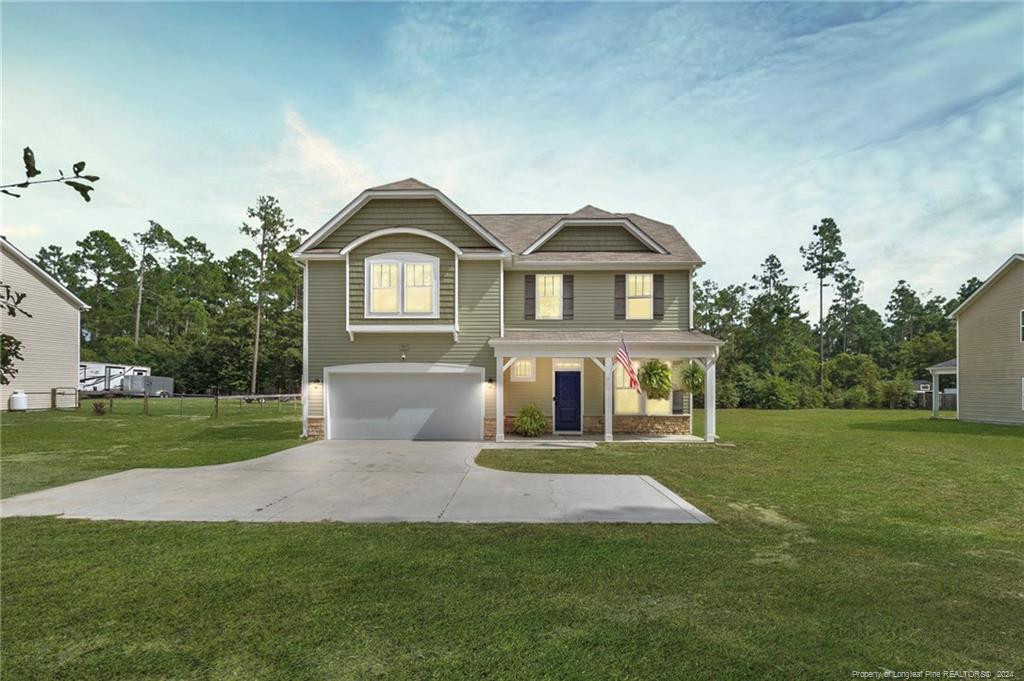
x=50 y=337
x=423 y=321
x=990 y=348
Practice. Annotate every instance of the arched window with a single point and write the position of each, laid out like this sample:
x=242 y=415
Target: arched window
x=402 y=285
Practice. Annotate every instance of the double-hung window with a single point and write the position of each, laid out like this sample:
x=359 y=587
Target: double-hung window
x=628 y=401
x=639 y=296
x=402 y=285
x=549 y=296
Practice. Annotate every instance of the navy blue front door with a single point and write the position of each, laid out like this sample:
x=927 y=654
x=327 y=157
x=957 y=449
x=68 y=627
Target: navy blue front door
x=567 y=400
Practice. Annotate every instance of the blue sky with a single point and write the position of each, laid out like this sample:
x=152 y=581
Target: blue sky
x=742 y=125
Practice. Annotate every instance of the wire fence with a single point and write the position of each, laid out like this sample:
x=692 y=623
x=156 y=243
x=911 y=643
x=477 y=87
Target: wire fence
x=188 y=405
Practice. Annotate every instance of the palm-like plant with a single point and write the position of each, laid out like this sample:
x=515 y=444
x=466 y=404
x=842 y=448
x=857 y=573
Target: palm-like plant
x=656 y=379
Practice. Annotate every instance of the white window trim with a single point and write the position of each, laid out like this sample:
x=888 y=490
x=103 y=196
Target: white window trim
x=650 y=297
x=536 y=297
x=400 y=259
x=532 y=362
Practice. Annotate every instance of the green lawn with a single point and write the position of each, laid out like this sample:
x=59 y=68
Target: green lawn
x=847 y=540
x=44 y=449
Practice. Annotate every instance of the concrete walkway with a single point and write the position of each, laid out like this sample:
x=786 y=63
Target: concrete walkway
x=361 y=481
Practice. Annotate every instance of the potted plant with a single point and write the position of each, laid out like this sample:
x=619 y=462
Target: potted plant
x=655 y=379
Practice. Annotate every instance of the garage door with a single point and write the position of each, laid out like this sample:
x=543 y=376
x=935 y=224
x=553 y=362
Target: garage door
x=405 y=402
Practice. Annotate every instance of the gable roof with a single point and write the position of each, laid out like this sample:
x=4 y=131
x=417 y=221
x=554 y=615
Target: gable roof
x=63 y=291
x=515 y=232
x=407 y=183
x=520 y=230
x=993 y=278
x=410 y=188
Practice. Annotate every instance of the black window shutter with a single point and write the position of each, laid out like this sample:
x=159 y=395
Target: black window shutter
x=659 y=296
x=566 y=296
x=620 y=296
x=530 y=299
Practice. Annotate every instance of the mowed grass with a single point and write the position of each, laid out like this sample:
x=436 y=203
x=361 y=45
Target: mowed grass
x=859 y=540
x=48 y=448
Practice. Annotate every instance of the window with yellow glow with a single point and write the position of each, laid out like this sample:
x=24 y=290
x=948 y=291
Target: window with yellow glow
x=639 y=296
x=384 y=288
x=523 y=370
x=628 y=400
x=549 y=296
x=402 y=285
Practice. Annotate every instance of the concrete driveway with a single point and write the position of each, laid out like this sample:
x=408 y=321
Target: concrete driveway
x=361 y=481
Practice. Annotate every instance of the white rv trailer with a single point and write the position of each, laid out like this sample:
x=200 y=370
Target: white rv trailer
x=101 y=377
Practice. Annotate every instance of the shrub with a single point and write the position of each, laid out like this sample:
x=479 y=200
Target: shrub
x=855 y=398
x=99 y=407
x=897 y=394
x=530 y=422
x=808 y=397
x=727 y=396
x=774 y=392
x=655 y=379
x=834 y=398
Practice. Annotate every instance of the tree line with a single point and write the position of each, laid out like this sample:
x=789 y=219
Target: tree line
x=851 y=356
x=231 y=325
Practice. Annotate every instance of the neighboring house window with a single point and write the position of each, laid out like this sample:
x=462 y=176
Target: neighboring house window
x=629 y=401
x=639 y=296
x=523 y=370
x=402 y=285
x=549 y=296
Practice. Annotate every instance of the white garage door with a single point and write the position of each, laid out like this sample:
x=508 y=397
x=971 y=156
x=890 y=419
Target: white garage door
x=405 y=402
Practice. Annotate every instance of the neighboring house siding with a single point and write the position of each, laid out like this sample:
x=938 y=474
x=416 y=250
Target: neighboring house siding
x=594 y=303
x=50 y=339
x=991 y=356
x=428 y=214
x=329 y=344
x=612 y=238
x=540 y=391
x=408 y=243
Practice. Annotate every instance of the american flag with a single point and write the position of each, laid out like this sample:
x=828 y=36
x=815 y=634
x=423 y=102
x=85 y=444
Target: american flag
x=622 y=357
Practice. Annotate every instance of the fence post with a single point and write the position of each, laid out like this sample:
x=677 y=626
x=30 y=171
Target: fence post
x=181 y=405
x=53 y=398
x=111 y=406
x=216 y=405
x=145 y=403
x=78 y=399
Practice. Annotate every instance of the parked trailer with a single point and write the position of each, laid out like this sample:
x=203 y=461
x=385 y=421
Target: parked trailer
x=104 y=377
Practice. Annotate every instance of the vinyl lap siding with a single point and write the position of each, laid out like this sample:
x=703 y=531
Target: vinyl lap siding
x=428 y=214
x=594 y=302
x=329 y=344
x=610 y=238
x=50 y=339
x=408 y=243
x=991 y=357
x=540 y=391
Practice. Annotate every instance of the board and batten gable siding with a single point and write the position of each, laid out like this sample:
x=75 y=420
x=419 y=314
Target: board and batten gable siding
x=50 y=339
x=608 y=238
x=594 y=303
x=329 y=344
x=428 y=214
x=402 y=243
x=991 y=355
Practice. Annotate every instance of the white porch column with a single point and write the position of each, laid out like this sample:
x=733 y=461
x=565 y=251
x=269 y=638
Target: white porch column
x=936 y=399
x=709 y=400
x=609 y=368
x=499 y=401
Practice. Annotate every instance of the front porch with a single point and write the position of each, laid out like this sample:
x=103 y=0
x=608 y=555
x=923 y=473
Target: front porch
x=572 y=378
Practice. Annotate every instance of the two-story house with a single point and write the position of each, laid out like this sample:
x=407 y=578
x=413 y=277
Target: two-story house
x=422 y=321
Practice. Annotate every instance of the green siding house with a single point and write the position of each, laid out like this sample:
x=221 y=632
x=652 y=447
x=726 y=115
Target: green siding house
x=422 y=321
